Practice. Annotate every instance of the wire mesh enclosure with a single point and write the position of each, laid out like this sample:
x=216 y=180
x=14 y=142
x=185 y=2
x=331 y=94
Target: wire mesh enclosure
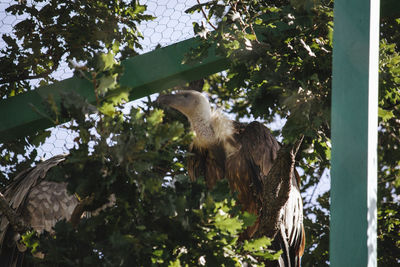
x=171 y=25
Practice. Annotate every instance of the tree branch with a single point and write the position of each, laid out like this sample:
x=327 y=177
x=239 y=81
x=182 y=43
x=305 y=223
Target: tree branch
x=276 y=191
x=205 y=16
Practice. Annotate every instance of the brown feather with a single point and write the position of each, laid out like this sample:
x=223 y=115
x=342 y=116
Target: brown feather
x=246 y=171
x=207 y=163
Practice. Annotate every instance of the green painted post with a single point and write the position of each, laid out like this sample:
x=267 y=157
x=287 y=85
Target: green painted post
x=354 y=134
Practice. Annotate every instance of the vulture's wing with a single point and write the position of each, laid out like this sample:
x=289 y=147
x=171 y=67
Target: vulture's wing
x=260 y=148
x=208 y=163
x=256 y=149
x=40 y=203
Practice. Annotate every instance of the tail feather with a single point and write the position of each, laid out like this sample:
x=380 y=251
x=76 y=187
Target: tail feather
x=290 y=256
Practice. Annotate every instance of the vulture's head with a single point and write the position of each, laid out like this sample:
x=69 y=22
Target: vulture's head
x=191 y=103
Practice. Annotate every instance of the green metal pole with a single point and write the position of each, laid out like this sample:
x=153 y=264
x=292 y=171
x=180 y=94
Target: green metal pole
x=354 y=134
x=145 y=74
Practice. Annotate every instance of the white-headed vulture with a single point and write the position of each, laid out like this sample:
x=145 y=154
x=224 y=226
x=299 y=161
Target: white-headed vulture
x=243 y=154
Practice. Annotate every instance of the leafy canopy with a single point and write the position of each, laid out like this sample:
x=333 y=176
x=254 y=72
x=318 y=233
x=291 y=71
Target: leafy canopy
x=280 y=54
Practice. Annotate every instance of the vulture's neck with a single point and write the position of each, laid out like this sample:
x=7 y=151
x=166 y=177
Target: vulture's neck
x=203 y=130
x=211 y=128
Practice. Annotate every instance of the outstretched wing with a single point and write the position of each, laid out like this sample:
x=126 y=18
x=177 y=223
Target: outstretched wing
x=40 y=203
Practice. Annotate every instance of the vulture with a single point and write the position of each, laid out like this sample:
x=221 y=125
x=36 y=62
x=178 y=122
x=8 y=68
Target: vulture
x=243 y=154
x=40 y=204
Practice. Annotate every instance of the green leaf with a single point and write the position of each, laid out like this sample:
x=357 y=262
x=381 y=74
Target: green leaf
x=175 y=263
x=259 y=247
x=106 y=83
x=251 y=37
x=139 y=9
x=258 y=21
x=227 y=224
x=156 y=117
x=257 y=244
x=385 y=114
x=104 y=61
x=248 y=219
x=29 y=239
x=107 y=109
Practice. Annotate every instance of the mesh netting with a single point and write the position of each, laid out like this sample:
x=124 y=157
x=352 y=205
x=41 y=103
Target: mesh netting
x=171 y=25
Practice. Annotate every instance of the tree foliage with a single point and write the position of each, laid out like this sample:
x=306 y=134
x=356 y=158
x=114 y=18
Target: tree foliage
x=52 y=33
x=281 y=55
x=55 y=32
x=159 y=217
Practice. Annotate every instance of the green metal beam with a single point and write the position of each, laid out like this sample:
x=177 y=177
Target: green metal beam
x=145 y=74
x=354 y=134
